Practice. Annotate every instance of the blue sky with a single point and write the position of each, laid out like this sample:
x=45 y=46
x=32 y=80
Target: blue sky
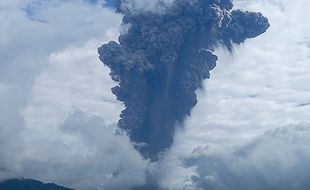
x=57 y=114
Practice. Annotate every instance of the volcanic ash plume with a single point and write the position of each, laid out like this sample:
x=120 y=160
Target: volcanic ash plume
x=162 y=60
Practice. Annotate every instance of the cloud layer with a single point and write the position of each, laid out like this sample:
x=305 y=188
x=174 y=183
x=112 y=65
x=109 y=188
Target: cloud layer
x=52 y=86
x=276 y=160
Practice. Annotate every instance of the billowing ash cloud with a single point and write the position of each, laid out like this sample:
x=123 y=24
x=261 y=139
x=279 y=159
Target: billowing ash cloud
x=162 y=60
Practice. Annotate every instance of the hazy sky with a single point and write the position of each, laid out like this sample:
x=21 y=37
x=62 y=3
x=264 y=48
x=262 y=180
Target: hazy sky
x=250 y=129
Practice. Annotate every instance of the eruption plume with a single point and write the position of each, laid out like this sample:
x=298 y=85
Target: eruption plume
x=162 y=60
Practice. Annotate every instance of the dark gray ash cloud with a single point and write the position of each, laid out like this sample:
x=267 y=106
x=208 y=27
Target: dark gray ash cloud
x=162 y=60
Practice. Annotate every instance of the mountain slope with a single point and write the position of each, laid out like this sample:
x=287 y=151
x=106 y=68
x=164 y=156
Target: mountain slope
x=29 y=184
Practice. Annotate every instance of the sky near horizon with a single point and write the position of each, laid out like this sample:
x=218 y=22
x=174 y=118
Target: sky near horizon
x=250 y=128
